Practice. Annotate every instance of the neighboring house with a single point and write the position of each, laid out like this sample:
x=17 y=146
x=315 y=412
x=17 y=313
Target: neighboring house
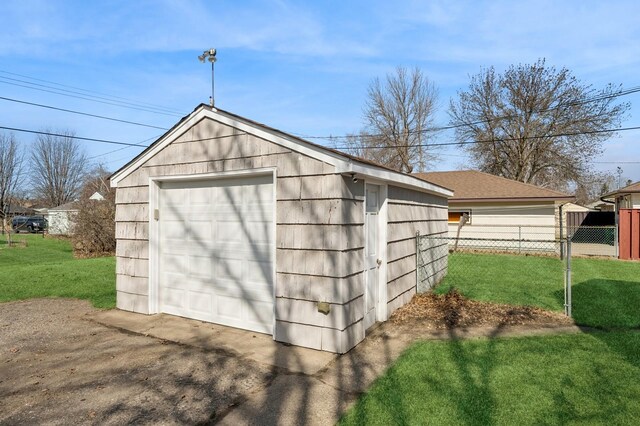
x=16 y=210
x=229 y=221
x=97 y=196
x=61 y=218
x=627 y=202
x=498 y=207
x=601 y=206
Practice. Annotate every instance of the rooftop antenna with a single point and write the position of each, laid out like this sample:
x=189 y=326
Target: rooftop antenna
x=211 y=54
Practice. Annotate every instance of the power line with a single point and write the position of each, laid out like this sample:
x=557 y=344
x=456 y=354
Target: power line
x=128 y=144
x=14 y=129
x=83 y=113
x=61 y=93
x=616 y=162
x=619 y=129
x=634 y=89
x=557 y=135
x=127 y=100
x=139 y=145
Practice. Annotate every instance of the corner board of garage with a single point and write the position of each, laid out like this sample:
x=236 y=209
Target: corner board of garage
x=344 y=163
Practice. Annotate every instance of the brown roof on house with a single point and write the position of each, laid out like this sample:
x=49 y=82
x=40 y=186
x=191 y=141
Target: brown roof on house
x=633 y=188
x=472 y=185
x=72 y=205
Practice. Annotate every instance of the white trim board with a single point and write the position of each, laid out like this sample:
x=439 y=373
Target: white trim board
x=342 y=163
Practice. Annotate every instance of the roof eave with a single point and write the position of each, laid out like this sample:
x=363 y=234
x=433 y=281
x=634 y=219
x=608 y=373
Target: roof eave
x=343 y=163
x=510 y=199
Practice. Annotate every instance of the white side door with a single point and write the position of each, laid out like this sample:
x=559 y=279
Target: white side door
x=371 y=255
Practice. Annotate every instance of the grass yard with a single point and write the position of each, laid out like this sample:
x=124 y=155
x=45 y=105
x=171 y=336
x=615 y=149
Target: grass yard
x=46 y=268
x=586 y=379
x=606 y=292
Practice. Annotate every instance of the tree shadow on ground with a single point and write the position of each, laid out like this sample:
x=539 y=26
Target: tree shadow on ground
x=605 y=303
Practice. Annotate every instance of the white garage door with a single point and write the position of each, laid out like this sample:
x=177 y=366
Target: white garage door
x=215 y=253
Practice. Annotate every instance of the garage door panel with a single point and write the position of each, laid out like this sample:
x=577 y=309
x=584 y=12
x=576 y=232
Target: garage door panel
x=202 y=302
x=230 y=231
x=229 y=307
x=216 y=245
x=174 y=229
x=172 y=263
x=259 y=311
x=174 y=297
x=201 y=266
x=229 y=269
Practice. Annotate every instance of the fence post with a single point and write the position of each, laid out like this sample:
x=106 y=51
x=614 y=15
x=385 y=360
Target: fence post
x=561 y=223
x=616 y=243
x=519 y=239
x=567 y=281
x=417 y=260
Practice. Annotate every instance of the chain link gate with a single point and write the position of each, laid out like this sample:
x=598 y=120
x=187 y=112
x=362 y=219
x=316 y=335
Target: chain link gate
x=439 y=256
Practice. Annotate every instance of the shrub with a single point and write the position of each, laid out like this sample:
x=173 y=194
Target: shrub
x=94 y=231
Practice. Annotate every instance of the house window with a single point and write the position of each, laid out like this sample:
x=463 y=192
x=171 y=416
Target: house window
x=455 y=215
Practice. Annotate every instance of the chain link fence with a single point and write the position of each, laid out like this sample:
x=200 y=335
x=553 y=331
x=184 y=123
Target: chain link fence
x=587 y=240
x=519 y=271
x=594 y=240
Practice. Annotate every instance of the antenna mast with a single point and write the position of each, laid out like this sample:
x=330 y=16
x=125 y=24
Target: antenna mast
x=211 y=54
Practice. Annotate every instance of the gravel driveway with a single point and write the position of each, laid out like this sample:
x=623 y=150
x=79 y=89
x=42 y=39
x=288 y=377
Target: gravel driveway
x=56 y=367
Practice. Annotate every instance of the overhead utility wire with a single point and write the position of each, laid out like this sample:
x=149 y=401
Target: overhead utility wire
x=58 y=92
x=619 y=129
x=138 y=145
x=625 y=92
x=14 y=129
x=589 y=132
x=83 y=113
x=37 y=132
x=131 y=101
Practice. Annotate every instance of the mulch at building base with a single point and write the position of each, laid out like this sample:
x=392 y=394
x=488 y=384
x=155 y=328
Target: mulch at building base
x=453 y=310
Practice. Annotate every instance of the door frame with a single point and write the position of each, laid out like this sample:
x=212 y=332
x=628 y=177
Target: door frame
x=155 y=184
x=383 y=219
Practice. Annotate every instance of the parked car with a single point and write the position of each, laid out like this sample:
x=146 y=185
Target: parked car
x=29 y=223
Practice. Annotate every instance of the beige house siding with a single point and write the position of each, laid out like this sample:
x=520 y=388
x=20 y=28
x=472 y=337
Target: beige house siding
x=319 y=253
x=319 y=232
x=409 y=212
x=630 y=201
x=566 y=208
x=507 y=220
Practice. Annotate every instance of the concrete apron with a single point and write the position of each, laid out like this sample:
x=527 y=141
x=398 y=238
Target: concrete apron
x=309 y=386
x=258 y=347
x=303 y=390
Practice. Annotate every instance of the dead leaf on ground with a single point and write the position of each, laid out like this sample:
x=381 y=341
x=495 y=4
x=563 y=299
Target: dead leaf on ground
x=452 y=310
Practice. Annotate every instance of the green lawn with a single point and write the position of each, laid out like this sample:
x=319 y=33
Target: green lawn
x=577 y=379
x=606 y=292
x=46 y=268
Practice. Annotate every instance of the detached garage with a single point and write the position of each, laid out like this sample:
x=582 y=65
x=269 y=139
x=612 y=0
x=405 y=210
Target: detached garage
x=228 y=221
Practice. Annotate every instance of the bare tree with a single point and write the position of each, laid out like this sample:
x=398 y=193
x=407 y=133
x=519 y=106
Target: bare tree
x=11 y=164
x=593 y=185
x=535 y=124
x=397 y=114
x=94 y=231
x=59 y=166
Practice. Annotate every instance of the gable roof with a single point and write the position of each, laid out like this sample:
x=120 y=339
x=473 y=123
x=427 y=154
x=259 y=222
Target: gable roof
x=473 y=185
x=629 y=189
x=70 y=206
x=344 y=163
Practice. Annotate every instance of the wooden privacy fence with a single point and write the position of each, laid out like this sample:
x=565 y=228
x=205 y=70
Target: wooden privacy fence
x=630 y=234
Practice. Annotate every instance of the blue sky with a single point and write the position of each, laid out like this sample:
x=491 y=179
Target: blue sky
x=302 y=67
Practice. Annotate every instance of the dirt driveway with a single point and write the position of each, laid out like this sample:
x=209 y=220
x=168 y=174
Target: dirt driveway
x=64 y=362
x=56 y=367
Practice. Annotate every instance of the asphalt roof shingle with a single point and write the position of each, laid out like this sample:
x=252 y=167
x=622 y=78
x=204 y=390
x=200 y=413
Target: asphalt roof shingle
x=473 y=185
